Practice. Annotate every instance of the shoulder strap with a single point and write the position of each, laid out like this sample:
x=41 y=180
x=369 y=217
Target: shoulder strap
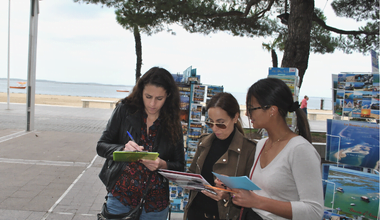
x=258 y=158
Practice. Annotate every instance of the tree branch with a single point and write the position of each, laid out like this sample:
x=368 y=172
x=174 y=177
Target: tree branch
x=225 y=14
x=249 y=6
x=339 y=31
x=255 y=2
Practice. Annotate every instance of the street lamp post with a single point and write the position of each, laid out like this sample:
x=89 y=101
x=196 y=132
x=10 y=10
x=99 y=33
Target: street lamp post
x=32 y=58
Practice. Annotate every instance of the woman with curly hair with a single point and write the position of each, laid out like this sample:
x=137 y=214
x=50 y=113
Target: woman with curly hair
x=151 y=116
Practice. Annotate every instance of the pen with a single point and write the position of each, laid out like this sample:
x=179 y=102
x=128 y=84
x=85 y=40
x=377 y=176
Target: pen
x=217 y=188
x=131 y=136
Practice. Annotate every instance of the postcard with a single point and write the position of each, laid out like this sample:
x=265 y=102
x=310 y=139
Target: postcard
x=213 y=90
x=198 y=93
x=356 y=91
x=351 y=192
x=196 y=112
x=195 y=130
x=353 y=143
x=237 y=182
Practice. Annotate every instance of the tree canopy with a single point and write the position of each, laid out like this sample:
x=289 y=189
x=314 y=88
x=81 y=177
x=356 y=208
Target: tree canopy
x=295 y=25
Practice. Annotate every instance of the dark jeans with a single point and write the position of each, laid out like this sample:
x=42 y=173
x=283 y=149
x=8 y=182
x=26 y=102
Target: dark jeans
x=305 y=110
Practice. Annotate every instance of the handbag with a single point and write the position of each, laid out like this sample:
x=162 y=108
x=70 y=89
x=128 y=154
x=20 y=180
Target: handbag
x=134 y=214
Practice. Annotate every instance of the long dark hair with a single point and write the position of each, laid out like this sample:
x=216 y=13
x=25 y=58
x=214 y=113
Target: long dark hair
x=273 y=91
x=228 y=103
x=169 y=113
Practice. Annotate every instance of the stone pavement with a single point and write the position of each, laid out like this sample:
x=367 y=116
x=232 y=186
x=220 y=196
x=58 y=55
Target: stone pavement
x=52 y=172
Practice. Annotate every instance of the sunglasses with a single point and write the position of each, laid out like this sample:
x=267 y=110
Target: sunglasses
x=219 y=125
x=255 y=108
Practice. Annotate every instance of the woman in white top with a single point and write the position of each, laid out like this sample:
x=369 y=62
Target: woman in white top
x=288 y=168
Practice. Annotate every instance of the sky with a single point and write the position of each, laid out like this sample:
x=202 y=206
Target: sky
x=84 y=43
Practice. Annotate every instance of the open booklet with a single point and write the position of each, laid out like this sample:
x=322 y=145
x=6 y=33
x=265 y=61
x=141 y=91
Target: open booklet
x=131 y=156
x=189 y=181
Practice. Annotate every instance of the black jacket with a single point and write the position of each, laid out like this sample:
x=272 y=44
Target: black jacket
x=125 y=118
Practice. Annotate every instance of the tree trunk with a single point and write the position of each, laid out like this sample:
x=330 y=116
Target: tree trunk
x=297 y=47
x=136 y=33
x=274 y=58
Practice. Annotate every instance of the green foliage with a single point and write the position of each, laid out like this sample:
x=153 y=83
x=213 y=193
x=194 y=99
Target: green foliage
x=357 y=9
x=251 y=19
x=150 y=16
x=361 y=43
x=321 y=40
x=258 y=18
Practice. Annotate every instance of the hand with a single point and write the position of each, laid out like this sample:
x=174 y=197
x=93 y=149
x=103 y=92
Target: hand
x=244 y=198
x=219 y=194
x=153 y=165
x=132 y=146
x=220 y=184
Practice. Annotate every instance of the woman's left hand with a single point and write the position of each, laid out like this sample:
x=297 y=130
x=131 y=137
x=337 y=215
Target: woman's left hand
x=153 y=165
x=219 y=194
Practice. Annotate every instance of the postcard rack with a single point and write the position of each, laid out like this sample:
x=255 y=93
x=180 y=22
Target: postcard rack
x=194 y=97
x=351 y=180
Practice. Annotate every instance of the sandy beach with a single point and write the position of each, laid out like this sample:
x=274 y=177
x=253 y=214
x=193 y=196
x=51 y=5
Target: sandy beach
x=75 y=101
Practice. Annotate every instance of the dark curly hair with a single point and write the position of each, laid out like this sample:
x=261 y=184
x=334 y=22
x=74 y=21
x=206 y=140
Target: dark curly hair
x=169 y=113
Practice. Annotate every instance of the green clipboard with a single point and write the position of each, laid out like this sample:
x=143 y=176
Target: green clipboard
x=131 y=156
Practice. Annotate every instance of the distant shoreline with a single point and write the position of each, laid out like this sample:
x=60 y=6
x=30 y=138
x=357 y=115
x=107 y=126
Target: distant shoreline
x=83 y=83
x=75 y=101
x=121 y=86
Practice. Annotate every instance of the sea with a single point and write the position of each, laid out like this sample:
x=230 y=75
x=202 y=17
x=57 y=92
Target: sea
x=46 y=87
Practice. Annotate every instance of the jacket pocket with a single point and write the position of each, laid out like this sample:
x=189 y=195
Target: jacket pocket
x=110 y=172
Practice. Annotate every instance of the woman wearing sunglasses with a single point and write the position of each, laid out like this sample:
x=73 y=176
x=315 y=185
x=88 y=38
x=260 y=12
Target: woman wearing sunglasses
x=226 y=151
x=287 y=167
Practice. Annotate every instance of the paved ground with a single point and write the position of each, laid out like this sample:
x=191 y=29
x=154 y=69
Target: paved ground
x=52 y=172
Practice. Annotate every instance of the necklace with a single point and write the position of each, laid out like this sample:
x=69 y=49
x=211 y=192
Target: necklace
x=266 y=150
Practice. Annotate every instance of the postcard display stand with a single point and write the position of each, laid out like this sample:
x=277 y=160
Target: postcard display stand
x=351 y=186
x=194 y=96
x=291 y=78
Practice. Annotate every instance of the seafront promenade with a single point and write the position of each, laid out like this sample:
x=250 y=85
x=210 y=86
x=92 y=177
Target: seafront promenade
x=52 y=171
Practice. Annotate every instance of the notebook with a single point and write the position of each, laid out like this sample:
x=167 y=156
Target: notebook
x=131 y=156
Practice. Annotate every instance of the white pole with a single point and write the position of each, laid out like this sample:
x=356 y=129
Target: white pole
x=9 y=38
x=32 y=58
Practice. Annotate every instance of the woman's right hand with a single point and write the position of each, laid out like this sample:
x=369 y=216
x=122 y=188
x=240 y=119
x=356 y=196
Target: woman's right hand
x=132 y=146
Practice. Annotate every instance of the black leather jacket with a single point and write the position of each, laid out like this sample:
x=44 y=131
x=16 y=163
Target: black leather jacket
x=125 y=118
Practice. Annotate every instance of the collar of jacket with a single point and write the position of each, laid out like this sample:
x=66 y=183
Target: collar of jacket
x=236 y=143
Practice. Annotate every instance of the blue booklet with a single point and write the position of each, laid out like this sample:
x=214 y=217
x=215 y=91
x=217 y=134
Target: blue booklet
x=237 y=182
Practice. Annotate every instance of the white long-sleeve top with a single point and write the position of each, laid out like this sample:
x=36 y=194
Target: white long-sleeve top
x=294 y=175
